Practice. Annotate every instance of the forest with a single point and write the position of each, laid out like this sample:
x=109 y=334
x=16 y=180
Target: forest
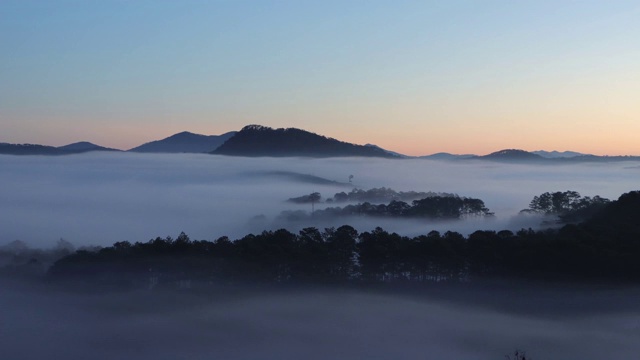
x=603 y=247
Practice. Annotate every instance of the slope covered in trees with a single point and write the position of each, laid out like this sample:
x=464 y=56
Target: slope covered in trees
x=34 y=149
x=256 y=140
x=606 y=247
x=185 y=142
x=568 y=206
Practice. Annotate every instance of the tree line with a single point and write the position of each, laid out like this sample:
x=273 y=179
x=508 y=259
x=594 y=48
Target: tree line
x=433 y=207
x=606 y=246
x=374 y=195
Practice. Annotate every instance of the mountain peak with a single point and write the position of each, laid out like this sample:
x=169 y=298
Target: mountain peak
x=254 y=127
x=558 y=154
x=84 y=146
x=185 y=142
x=258 y=140
x=511 y=155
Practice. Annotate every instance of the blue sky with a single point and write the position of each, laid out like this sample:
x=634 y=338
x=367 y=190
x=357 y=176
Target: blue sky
x=413 y=76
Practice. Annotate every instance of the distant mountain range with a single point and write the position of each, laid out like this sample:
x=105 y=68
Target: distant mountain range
x=257 y=140
x=557 y=154
x=84 y=146
x=521 y=156
x=185 y=142
x=446 y=156
x=34 y=149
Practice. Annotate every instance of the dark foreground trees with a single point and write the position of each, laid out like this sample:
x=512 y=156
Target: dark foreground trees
x=569 y=206
x=605 y=247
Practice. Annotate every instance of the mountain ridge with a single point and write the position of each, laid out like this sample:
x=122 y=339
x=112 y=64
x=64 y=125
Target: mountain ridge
x=36 y=149
x=85 y=146
x=184 y=142
x=282 y=142
x=258 y=140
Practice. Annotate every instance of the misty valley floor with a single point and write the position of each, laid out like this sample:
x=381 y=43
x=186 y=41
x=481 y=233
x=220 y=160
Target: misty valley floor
x=100 y=199
x=480 y=322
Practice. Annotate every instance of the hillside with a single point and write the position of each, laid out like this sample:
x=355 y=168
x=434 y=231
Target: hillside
x=29 y=149
x=84 y=146
x=510 y=155
x=185 y=142
x=34 y=149
x=557 y=154
x=256 y=140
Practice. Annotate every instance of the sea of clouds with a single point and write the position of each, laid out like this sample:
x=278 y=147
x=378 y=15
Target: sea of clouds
x=101 y=198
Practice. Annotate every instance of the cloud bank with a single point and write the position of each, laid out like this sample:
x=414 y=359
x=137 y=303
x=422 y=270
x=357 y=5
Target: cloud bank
x=100 y=198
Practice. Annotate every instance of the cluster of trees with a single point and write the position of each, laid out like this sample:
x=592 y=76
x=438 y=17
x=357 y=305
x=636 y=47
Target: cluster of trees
x=606 y=246
x=433 y=207
x=568 y=206
x=383 y=195
x=374 y=196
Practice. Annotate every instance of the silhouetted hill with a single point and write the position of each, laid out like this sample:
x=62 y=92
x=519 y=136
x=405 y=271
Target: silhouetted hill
x=256 y=140
x=557 y=154
x=34 y=149
x=84 y=146
x=29 y=149
x=596 y=158
x=619 y=219
x=389 y=151
x=447 y=156
x=521 y=156
x=540 y=156
x=185 y=142
x=604 y=249
x=512 y=155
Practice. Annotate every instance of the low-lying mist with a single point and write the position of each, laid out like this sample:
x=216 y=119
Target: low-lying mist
x=100 y=198
x=320 y=324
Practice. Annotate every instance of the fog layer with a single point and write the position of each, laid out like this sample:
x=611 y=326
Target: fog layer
x=315 y=325
x=100 y=198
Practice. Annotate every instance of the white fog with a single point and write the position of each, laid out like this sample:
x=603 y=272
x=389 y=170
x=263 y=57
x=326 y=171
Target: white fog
x=101 y=198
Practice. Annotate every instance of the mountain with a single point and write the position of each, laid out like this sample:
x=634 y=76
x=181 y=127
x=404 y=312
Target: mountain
x=596 y=158
x=388 y=151
x=510 y=155
x=29 y=149
x=256 y=140
x=84 y=146
x=447 y=156
x=185 y=142
x=34 y=149
x=557 y=154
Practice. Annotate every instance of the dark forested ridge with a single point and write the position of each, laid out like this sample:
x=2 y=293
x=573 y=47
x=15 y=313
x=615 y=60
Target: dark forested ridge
x=605 y=247
x=518 y=156
x=185 y=142
x=568 y=206
x=34 y=149
x=256 y=140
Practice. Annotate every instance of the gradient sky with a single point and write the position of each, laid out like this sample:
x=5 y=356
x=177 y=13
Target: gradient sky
x=416 y=77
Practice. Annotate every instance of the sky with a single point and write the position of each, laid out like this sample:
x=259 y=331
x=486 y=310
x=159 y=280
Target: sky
x=416 y=77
